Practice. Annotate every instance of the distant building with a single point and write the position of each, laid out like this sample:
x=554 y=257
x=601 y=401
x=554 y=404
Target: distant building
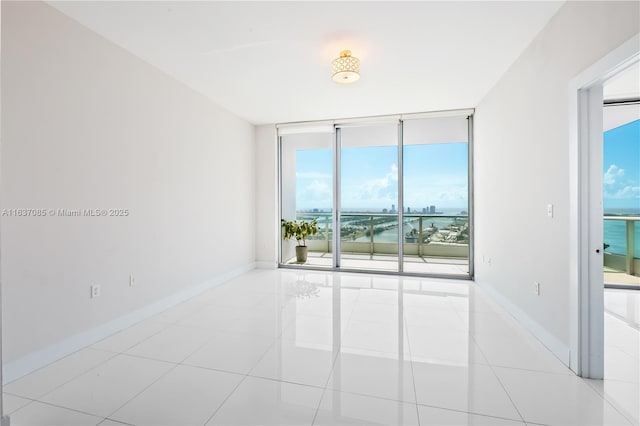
x=432 y=209
x=393 y=208
x=408 y=209
x=385 y=211
x=424 y=210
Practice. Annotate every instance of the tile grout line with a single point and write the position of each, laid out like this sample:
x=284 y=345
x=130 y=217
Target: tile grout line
x=224 y=401
x=66 y=408
x=383 y=398
x=507 y=367
x=325 y=389
x=489 y=416
x=493 y=364
x=175 y=366
x=38 y=398
x=338 y=352
x=165 y=326
x=498 y=379
x=605 y=399
x=413 y=376
x=144 y=389
x=117 y=421
x=326 y=383
x=31 y=401
x=239 y=383
x=315 y=415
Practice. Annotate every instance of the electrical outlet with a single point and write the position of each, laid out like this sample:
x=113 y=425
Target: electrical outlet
x=95 y=291
x=550 y=210
x=536 y=287
x=132 y=280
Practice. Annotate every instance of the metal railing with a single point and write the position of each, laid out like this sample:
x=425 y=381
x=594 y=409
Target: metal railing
x=361 y=233
x=614 y=260
x=426 y=235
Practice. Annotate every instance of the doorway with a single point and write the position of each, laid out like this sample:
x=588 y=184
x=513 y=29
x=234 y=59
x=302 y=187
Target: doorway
x=621 y=179
x=621 y=231
x=586 y=214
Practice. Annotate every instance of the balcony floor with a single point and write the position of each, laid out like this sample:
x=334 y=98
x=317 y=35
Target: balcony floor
x=382 y=262
x=619 y=278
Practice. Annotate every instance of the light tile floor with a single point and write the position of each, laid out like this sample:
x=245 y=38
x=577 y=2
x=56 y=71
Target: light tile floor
x=305 y=347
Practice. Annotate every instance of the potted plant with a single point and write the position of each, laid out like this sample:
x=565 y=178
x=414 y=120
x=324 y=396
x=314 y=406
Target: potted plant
x=300 y=231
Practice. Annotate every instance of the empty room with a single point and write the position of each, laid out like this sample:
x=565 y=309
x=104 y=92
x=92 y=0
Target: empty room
x=320 y=213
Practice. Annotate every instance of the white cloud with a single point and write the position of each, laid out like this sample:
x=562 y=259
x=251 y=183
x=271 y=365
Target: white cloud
x=317 y=190
x=317 y=186
x=441 y=190
x=393 y=174
x=612 y=174
x=624 y=193
x=382 y=189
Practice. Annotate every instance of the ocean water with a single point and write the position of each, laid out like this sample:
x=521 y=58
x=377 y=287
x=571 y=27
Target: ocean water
x=615 y=234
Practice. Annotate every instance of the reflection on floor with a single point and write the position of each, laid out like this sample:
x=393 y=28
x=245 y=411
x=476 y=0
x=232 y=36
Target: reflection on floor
x=382 y=262
x=622 y=352
x=307 y=347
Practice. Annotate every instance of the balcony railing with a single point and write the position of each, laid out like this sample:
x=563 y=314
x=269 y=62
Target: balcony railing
x=438 y=236
x=628 y=261
x=425 y=235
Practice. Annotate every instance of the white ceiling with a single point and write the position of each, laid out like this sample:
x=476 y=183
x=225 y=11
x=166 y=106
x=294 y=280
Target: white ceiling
x=270 y=62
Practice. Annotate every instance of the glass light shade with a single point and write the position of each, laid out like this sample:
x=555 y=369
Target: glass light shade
x=346 y=68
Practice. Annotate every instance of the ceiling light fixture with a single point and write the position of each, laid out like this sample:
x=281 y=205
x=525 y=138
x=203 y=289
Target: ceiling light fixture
x=346 y=68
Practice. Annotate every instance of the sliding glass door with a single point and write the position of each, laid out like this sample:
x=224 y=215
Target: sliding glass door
x=436 y=196
x=369 y=197
x=306 y=187
x=388 y=196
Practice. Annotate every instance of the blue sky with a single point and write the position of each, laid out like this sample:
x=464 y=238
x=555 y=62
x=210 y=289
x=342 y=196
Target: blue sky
x=435 y=174
x=314 y=179
x=621 y=179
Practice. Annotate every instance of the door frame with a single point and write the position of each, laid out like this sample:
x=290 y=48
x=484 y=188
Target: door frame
x=586 y=282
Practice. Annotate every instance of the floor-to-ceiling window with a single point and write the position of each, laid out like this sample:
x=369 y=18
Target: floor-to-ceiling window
x=369 y=196
x=306 y=188
x=395 y=190
x=436 y=195
x=621 y=200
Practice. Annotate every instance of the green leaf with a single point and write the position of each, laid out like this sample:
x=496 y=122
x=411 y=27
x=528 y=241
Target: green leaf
x=299 y=230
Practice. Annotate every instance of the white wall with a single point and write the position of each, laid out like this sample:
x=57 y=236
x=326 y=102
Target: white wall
x=267 y=196
x=522 y=164
x=85 y=124
x=1 y=326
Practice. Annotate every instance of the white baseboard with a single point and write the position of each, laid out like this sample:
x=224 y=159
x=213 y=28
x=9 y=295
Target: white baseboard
x=35 y=360
x=266 y=265
x=559 y=349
